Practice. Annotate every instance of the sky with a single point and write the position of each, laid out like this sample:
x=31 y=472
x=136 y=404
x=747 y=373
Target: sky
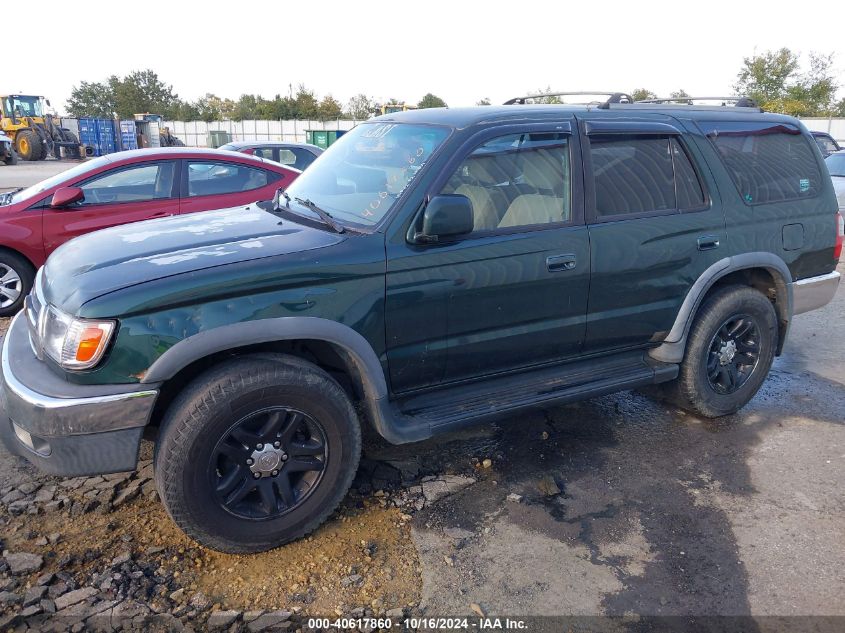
x=462 y=51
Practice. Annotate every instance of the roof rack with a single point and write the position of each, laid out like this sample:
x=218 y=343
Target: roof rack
x=612 y=97
x=738 y=101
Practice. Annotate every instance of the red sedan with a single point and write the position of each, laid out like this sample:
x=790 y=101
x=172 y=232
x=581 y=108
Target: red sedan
x=118 y=189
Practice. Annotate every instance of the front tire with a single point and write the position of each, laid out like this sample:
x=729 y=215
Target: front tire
x=28 y=145
x=729 y=352
x=256 y=452
x=12 y=158
x=16 y=279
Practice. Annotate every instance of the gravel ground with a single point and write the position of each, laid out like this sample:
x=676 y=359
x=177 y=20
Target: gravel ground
x=613 y=506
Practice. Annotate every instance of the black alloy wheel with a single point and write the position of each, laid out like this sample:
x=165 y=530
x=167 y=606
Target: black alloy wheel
x=268 y=463
x=734 y=353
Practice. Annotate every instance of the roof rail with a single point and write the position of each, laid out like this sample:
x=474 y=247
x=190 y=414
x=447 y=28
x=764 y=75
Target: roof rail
x=738 y=101
x=612 y=97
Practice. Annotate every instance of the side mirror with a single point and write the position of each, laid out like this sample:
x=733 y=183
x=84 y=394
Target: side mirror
x=66 y=196
x=444 y=216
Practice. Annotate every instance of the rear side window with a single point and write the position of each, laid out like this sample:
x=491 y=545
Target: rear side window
x=205 y=179
x=638 y=174
x=768 y=162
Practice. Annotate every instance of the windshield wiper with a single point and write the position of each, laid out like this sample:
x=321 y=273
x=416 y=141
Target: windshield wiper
x=325 y=216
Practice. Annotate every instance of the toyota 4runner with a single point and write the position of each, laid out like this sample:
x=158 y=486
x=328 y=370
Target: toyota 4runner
x=432 y=269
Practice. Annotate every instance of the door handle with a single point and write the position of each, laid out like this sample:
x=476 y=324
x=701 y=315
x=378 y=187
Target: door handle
x=555 y=263
x=708 y=242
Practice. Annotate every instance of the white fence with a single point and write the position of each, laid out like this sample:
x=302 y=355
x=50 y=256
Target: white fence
x=834 y=127
x=195 y=133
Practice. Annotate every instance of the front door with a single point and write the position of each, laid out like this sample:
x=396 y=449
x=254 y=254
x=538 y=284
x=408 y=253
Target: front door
x=656 y=224
x=119 y=196
x=511 y=294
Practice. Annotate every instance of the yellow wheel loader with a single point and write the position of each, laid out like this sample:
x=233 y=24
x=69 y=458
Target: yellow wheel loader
x=34 y=133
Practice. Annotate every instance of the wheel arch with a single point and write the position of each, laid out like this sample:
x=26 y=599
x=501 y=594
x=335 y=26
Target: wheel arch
x=761 y=270
x=335 y=347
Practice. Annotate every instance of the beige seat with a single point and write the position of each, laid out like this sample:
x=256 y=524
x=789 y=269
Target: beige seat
x=484 y=216
x=534 y=208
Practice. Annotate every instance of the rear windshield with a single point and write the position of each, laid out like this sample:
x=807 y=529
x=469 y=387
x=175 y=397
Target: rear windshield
x=768 y=162
x=836 y=164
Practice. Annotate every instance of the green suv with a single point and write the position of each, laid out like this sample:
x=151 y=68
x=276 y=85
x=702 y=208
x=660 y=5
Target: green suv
x=432 y=269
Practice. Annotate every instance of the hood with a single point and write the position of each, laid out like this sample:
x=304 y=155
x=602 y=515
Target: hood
x=98 y=263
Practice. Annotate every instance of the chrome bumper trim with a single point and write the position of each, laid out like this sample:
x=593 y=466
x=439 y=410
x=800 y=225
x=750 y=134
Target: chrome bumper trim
x=48 y=416
x=814 y=292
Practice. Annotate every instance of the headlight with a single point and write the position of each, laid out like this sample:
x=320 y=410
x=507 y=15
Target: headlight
x=74 y=343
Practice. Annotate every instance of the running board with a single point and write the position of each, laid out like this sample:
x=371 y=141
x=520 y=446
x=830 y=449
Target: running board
x=420 y=416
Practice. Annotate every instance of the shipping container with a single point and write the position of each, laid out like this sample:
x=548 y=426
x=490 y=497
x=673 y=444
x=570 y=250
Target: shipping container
x=106 y=136
x=128 y=136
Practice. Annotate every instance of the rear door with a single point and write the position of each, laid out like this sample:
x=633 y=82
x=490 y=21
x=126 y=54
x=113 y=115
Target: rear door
x=125 y=194
x=511 y=294
x=655 y=221
x=214 y=184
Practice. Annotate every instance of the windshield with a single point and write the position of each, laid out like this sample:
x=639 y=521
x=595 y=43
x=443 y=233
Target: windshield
x=359 y=177
x=68 y=175
x=21 y=106
x=836 y=164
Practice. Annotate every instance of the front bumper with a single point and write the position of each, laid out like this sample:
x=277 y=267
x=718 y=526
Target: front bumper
x=64 y=428
x=814 y=292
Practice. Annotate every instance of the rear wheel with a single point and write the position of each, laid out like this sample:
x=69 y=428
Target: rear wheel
x=729 y=352
x=28 y=145
x=257 y=452
x=16 y=277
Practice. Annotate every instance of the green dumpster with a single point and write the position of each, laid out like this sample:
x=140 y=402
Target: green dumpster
x=323 y=138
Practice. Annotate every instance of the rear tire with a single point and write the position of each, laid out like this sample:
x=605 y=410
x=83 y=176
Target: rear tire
x=16 y=278
x=256 y=452
x=28 y=144
x=729 y=352
x=12 y=158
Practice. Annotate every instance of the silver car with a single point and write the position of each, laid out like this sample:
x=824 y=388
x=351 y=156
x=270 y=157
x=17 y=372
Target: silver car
x=7 y=150
x=836 y=166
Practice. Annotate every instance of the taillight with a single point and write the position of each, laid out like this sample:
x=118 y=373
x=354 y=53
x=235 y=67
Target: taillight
x=840 y=232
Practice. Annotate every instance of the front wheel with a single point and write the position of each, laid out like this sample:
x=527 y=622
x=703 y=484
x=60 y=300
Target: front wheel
x=729 y=352
x=16 y=278
x=257 y=452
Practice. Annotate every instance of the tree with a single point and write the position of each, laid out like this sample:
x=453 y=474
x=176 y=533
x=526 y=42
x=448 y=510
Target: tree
x=774 y=79
x=329 y=108
x=142 y=91
x=431 y=101
x=680 y=94
x=95 y=99
x=245 y=108
x=483 y=102
x=548 y=100
x=639 y=94
x=305 y=104
x=360 y=107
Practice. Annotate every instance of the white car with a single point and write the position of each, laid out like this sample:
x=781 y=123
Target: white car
x=7 y=150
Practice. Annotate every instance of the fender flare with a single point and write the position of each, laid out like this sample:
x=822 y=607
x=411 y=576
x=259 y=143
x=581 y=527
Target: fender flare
x=674 y=345
x=354 y=347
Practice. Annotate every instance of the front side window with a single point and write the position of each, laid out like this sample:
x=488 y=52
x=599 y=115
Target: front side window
x=150 y=181
x=637 y=174
x=24 y=106
x=516 y=180
x=207 y=179
x=361 y=175
x=768 y=162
